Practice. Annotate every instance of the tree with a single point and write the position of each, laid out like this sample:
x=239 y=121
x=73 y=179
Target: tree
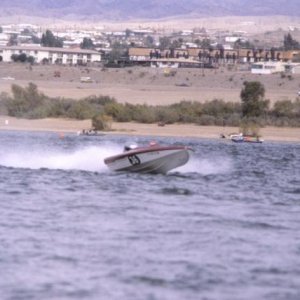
x=49 y=40
x=289 y=43
x=13 y=40
x=87 y=43
x=164 y=42
x=101 y=122
x=14 y=57
x=242 y=44
x=117 y=51
x=176 y=44
x=22 y=57
x=26 y=31
x=30 y=59
x=205 y=44
x=149 y=41
x=35 y=39
x=252 y=96
x=128 y=32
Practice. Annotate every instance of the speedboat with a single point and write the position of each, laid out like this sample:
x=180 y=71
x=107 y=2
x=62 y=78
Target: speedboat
x=153 y=158
x=240 y=138
x=90 y=132
x=237 y=138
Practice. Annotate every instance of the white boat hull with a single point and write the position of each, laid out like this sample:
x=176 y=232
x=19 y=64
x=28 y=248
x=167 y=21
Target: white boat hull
x=156 y=160
x=240 y=138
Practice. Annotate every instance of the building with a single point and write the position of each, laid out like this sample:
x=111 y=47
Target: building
x=292 y=68
x=223 y=55
x=269 y=67
x=51 y=55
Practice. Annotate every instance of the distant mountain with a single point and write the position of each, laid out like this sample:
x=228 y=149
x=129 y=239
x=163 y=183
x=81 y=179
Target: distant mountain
x=150 y=9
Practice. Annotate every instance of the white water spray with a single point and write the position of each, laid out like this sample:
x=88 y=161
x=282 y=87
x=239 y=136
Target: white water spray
x=207 y=166
x=86 y=159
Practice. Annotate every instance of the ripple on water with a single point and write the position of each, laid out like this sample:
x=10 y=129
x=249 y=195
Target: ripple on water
x=225 y=226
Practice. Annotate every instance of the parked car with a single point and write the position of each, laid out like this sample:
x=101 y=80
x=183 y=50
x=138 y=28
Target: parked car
x=86 y=79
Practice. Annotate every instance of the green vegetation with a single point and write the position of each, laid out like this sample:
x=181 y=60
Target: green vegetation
x=118 y=51
x=253 y=102
x=289 y=43
x=164 y=43
x=22 y=58
x=87 y=43
x=251 y=113
x=101 y=122
x=49 y=40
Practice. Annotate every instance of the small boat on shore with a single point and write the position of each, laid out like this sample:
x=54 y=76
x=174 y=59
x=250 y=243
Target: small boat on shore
x=153 y=158
x=240 y=138
x=91 y=132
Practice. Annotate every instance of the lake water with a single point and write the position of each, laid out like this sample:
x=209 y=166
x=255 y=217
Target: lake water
x=224 y=226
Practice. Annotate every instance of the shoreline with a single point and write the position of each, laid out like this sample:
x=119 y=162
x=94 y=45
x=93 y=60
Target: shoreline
x=278 y=134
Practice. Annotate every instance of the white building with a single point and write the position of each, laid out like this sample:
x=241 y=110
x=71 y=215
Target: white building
x=4 y=39
x=269 y=67
x=52 y=55
x=296 y=69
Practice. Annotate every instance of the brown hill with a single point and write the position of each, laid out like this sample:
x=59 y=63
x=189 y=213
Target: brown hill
x=153 y=9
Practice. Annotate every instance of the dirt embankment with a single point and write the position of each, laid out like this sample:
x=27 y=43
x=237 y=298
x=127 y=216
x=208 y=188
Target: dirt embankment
x=147 y=85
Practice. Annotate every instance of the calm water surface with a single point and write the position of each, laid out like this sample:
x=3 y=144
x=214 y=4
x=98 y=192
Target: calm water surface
x=225 y=226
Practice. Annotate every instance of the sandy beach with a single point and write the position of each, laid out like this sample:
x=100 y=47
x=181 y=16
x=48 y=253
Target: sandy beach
x=63 y=126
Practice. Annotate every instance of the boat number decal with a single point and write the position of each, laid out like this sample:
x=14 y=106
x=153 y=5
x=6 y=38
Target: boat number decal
x=134 y=160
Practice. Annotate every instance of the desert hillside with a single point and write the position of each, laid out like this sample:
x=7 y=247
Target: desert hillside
x=152 y=9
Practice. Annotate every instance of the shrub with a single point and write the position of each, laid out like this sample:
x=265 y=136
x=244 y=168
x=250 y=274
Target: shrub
x=117 y=111
x=206 y=120
x=283 y=108
x=232 y=120
x=166 y=115
x=28 y=102
x=24 y=100
x=58 y=107
x=100 y=100
x=143 y=114
x=80 y=110
x=187 y=111
x=101 y=122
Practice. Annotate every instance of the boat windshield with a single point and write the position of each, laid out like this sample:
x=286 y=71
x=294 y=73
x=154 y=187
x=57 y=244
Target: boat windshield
x=130 y=146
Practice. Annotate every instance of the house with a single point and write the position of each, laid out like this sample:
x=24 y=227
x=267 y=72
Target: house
x=269 y=67
x=139 y=54
x=296 y=69
x=51 y=55
x=4 y=39
x=293 y=68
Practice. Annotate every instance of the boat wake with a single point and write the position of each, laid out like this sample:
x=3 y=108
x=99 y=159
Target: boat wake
x=207 y=166
x=85 y=159
x=91 y=159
